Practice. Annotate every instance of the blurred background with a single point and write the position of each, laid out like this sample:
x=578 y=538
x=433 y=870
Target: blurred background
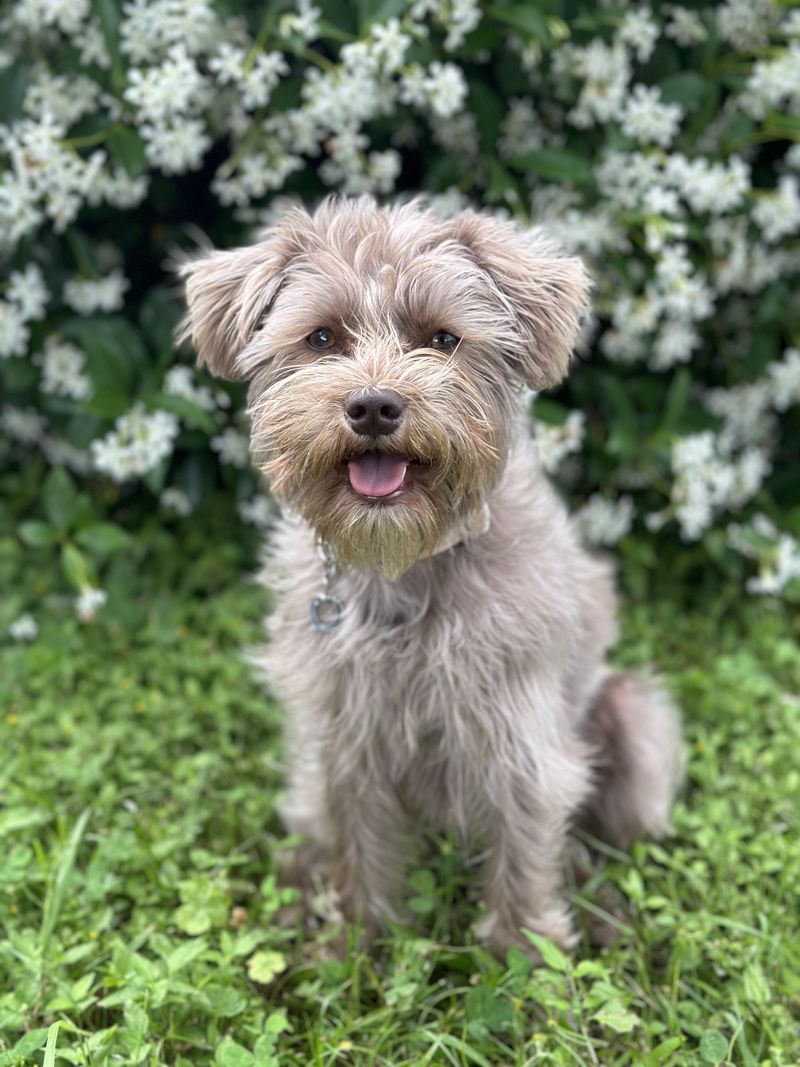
x=660 y=143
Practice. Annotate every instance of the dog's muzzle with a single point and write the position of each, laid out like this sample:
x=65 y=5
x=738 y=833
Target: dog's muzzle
x=374 y=412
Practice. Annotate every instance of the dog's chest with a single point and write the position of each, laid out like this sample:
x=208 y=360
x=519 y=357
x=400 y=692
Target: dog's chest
x=409 y=663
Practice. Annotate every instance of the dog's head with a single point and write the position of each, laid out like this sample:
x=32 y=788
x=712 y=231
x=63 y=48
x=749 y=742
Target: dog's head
x=385 y=348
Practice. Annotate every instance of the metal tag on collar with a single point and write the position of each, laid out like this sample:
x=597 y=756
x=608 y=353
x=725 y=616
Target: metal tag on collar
x=325 y=609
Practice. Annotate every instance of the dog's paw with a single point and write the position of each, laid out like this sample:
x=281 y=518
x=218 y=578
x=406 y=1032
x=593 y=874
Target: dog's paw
x=501 y=933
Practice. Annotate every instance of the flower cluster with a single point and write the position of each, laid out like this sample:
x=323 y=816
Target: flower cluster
x=655 y=141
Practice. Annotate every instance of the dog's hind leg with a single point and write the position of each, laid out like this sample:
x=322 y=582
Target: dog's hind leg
x=635 y=731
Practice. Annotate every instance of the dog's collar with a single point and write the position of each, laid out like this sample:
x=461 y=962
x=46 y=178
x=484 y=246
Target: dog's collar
x=326 y=610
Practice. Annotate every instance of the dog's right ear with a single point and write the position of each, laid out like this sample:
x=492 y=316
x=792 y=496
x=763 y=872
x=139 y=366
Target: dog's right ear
x=228 y=294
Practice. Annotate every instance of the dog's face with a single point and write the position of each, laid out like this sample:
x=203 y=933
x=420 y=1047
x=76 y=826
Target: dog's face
x=385 y=349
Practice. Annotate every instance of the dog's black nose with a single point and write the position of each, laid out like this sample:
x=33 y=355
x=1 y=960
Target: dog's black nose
x=374 y=411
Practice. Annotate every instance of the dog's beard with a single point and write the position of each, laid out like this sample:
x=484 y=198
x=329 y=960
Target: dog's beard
x=387 y=539
x=453 y=446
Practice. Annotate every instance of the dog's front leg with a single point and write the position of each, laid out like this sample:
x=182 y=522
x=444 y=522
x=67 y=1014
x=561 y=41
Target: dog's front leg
x=370 y=844
x=537 y=779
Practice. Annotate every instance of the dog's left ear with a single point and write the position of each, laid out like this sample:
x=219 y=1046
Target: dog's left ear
x=229 y=293
x=545 y=290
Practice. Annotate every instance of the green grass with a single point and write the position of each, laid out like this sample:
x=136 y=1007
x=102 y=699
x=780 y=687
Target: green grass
x=140 y=844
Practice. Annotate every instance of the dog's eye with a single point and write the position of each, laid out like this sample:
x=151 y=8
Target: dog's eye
x=444 y=340
x=321 y=338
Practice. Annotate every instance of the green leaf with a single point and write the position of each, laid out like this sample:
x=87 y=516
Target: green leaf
x=127 y=147
x=230 y=1054
x=50 y=1047
x=555 y=164
x=60 y=498
x=37 y=534
x=76 y=567
x=116 y=360
x=487 y=1006
x=616 y=1017
x=191 y=414
x=54 y=898
x=265 y=965
x=370 y=11
x=713 y=1047
x=13 y=82
x=687 y=88
x=108 y=14
x=28 y=1044
x=662 y=1051
x=676 y=401
x=185 y=953
x=103 y=538
x=524 y=18
x=551 y=954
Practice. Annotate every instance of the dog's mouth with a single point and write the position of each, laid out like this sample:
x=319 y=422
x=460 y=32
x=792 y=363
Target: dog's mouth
x=380 y=477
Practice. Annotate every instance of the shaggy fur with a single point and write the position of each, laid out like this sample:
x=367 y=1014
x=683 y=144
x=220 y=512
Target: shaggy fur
x=465 y=685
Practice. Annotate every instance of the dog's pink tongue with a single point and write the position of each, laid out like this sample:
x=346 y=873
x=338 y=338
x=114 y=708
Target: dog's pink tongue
x=375 y=474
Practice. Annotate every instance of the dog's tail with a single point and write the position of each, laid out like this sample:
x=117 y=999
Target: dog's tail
x=635 y=730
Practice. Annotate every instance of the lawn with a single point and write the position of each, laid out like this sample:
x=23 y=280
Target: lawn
x=143 y=923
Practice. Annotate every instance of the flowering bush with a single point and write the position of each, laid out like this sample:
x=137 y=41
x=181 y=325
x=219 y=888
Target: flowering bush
x=659 y=144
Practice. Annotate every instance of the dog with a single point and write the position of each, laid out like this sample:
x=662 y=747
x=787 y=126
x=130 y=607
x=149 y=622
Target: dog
x=440 y=638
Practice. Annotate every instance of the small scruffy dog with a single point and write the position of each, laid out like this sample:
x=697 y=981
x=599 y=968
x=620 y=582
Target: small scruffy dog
x=440 y=637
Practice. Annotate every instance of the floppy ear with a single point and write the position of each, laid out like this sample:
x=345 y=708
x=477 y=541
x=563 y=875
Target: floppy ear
x=545 y=290
x=228 y=294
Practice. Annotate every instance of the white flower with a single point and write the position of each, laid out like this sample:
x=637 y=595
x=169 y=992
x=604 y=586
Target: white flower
x=63 y=370
x=91 y=45
x=605 y=71
x=446 y=89
x=14 y=334
x=304 y=21
x=227 y=63
x=89 y=602
x=139 y=441
x=521 y=130
x=174 y=499
x=746 y=23
x=675 y=342
x=784 y=380
x=26 y=289
x=25 y=628
x=174 y=88
x=257 y=83
x=778 y=214
x=639 y=32
x=87 y=295
x=777 y=553
x=41 y=177
x=603 y=521
x=259 y=510
x=684 y=26
x=745 y=412
x=21 y=424
x=150 y=27
x=232 y=446
x=39 y=15
x=389 y=45
x=555 y=443
x=177 y=148
x=708 y=477
x=774 y=83
x=179 y=381
x=648 y=120
x=66 y=98
x=118 y=189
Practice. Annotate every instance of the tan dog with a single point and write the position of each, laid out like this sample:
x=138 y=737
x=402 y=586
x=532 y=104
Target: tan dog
x=440 y=638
